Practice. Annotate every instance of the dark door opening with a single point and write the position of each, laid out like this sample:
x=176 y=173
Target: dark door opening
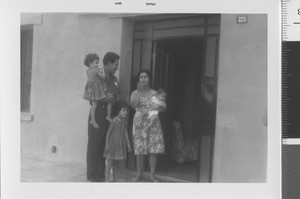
x=178 y=67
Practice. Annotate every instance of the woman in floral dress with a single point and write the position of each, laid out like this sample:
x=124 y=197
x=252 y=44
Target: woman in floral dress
x=147 y=141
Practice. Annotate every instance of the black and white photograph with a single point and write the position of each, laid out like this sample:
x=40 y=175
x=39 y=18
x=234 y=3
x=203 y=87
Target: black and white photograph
x=205 y=73
x=118 y=100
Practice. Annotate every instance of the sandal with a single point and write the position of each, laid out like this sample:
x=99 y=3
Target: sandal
x=153 y=179
x=137 y=178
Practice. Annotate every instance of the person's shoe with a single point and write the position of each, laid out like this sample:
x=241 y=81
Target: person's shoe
x=90 y=180
x=100 y=180
x=137 y=178
x=154 y=179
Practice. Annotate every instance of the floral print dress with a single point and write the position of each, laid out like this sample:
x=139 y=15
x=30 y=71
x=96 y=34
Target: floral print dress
x=149 y=140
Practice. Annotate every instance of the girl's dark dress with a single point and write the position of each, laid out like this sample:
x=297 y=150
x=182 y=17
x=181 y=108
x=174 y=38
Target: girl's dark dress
x=117 y=140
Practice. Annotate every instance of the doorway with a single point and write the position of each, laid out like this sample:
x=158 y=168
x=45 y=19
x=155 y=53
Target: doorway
x=181 y=51
x=178 y=69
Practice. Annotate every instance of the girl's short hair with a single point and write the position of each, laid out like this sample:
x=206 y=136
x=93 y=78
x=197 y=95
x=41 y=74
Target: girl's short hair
x=118 y=107
x=110 y=57
x=89 y=58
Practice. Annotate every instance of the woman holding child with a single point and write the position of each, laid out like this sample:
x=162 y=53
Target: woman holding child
x=148 y=140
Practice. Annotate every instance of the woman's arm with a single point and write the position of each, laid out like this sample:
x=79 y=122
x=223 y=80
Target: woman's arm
x=134 y=99
x=159 y=108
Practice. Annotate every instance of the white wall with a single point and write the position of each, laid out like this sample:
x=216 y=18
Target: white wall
x=58 y=79
x=126 y=59
x=240 y=153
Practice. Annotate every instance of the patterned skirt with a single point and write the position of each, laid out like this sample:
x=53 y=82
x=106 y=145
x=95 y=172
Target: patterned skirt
x=93 y=91
x=148 y=140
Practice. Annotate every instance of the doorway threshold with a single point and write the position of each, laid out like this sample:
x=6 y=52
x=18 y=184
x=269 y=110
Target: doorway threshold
x=163 y=178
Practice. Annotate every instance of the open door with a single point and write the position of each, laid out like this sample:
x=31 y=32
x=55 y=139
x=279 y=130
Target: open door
x=177 y=68
x=163 y=61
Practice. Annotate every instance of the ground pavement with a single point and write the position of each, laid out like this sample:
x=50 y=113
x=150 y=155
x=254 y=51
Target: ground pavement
x=37 y=169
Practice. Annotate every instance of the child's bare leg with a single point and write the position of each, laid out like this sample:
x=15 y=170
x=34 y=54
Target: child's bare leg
x=108 y=117
x=114 y=170
x=108 y=168
x=93 y=112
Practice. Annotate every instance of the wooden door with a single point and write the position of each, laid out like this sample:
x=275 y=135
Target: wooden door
x=162 y=66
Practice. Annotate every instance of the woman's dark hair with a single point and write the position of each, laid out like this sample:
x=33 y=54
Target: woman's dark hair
x=110 y=57
x=89 y=58
x=118 y=107
x=147 y=72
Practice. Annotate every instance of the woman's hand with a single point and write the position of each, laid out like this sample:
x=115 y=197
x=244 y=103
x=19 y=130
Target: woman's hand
x=135 y=99
x=153 y=106
x=106 y=147
x=157 y=107
x=144 y=111
x=139 y=86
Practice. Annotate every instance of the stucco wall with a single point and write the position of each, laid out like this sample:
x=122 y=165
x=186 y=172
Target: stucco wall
x=58 y=79
x=240 y=153
x=126 y=58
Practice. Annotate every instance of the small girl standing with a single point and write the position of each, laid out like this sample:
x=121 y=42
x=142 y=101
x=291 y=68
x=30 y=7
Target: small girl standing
x=117 y=142
x=94 y=91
